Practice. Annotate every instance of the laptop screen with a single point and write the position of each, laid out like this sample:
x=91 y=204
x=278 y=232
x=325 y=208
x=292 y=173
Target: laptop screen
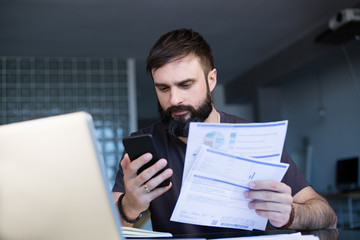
x=53 y=183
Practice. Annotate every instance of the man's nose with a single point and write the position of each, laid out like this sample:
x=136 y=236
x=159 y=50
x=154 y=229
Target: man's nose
x=176 y=97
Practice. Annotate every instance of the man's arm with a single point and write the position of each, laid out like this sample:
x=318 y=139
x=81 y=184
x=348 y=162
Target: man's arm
x=116 y=196
x=312 y=211
x=273 y=200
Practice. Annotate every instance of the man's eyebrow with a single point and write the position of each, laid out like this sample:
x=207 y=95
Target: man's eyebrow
x=185 y=81
x=160 y=85
x=177 y=83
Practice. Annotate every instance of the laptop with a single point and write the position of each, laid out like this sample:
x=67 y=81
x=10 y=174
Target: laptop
x=53 y=183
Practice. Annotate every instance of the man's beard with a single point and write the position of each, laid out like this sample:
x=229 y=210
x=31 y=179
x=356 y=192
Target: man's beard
x=179 y=126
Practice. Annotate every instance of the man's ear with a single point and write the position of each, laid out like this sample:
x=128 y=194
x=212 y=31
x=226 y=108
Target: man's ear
x=212 y=79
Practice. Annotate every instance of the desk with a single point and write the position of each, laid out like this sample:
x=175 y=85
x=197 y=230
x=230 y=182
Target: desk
x=349 y=197
x=326 y=234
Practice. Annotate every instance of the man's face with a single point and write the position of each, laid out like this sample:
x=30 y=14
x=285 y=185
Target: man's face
x=183 y=93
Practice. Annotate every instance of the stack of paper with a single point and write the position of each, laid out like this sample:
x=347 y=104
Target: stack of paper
x=221 y=160
x=130 y=232
x=292 y=236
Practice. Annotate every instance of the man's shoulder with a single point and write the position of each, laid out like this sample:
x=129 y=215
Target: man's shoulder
x=229 y=118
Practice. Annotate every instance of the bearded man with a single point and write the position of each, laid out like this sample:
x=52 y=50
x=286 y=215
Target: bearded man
x=182 y=67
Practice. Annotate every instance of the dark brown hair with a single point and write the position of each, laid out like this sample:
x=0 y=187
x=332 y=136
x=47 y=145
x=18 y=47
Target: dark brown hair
x=177 y=44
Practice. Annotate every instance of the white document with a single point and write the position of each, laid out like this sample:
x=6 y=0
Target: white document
x=131 y=232
x=290 y=236
x=213 y=191
x=263 y=141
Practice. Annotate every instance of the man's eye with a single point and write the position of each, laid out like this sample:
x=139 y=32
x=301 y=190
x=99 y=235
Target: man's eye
x=187 y=85
x=163 y=89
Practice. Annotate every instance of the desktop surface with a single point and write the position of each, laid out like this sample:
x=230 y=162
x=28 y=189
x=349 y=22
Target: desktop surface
x=324 y=234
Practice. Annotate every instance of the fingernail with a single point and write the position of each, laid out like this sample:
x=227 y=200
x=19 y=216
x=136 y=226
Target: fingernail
x=246 y=194
x=251 y=185
x=163 y=162
x=148 y=156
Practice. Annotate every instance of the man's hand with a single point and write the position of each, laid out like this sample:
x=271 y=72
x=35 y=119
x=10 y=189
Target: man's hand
x=138 y=194
x=272 y=200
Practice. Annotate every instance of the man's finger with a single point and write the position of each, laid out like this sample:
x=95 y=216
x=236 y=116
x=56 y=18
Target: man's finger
x=270 y=185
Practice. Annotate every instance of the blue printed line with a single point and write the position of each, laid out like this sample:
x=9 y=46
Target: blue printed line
x=221 y=181
x=245 y=159
x=267 y=156
x=243 y=125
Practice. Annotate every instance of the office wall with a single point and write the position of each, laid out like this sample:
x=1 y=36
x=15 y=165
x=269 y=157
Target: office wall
x=331 y=82
x=146 y=96
x=36 y=87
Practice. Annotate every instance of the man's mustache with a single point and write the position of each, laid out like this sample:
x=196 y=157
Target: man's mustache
x=179 y=108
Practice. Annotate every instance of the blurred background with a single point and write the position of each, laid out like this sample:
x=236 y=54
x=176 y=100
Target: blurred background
x=280 y=59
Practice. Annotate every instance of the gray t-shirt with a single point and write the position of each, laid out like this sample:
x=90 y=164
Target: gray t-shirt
x=172 y=149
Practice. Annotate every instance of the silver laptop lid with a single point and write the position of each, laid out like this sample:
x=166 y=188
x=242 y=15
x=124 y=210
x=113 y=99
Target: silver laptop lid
x=53 y=183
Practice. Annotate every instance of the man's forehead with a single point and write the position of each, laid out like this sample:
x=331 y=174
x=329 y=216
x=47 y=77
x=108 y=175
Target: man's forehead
x=178 y=62
x=178 y=71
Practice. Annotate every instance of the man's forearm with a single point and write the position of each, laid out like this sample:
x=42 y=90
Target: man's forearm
x=314 y=214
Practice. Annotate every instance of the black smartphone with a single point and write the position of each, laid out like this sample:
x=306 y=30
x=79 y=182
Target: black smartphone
x=138 y=145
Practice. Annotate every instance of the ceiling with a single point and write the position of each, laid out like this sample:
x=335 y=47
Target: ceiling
x=245 y=35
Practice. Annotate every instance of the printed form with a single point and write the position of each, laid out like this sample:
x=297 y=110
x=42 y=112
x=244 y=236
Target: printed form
x=264 y=141
x=221 y=160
